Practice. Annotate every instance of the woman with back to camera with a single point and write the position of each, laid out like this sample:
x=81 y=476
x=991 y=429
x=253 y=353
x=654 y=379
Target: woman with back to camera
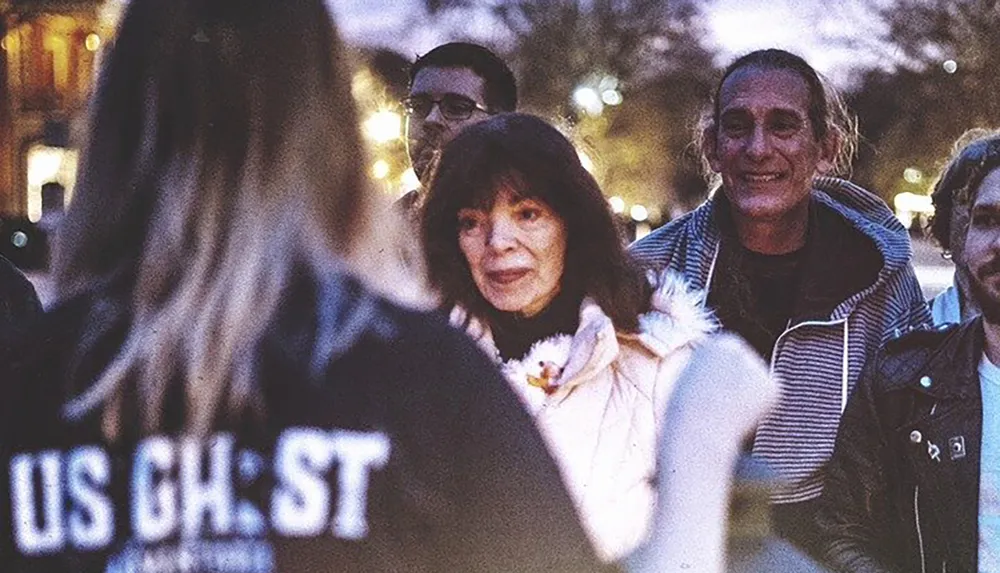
x=522 y=244
x=214 y=389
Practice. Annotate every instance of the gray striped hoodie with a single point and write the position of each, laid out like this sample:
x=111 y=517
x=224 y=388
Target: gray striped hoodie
x=816 y=361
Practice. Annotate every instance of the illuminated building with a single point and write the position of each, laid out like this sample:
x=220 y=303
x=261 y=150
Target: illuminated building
x=50 y=54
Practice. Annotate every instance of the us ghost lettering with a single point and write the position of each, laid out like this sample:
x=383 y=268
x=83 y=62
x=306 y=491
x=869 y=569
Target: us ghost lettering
x=187 y=490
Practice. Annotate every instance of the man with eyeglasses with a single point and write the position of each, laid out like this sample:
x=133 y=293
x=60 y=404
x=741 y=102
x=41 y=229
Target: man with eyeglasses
x=451 y=87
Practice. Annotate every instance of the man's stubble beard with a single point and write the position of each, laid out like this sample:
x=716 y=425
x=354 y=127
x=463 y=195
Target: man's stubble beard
x=989 y=304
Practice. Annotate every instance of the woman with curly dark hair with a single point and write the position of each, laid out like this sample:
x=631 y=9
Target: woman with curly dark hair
x=524 y=248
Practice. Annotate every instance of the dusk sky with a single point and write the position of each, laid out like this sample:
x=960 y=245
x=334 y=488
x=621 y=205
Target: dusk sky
x=736 y=26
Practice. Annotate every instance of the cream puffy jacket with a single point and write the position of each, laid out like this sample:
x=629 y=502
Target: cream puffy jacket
x=602 y=419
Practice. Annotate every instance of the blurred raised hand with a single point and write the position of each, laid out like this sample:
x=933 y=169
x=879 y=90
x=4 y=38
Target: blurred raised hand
x=718 y=400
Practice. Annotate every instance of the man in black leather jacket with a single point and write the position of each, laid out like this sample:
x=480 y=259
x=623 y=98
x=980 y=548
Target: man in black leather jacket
x=902 y=488
x=914 y=474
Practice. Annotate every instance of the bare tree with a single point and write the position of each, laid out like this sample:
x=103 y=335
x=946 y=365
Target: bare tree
x=939 y=76
x=647 y=51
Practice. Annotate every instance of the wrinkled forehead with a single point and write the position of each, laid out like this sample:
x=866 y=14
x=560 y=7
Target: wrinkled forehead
x=757 y=90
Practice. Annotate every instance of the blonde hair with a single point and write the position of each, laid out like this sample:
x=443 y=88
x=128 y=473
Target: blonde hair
x=223 y=158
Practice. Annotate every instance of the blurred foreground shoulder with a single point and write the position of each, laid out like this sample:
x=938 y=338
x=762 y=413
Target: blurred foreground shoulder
x=18 y=299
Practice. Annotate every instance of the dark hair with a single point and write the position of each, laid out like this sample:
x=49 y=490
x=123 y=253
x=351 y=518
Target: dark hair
x=534 y=155
x=827 y=113
x=974 y=155
x=501 y=88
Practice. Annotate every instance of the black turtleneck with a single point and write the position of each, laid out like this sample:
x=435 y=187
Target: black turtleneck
x=514 y=334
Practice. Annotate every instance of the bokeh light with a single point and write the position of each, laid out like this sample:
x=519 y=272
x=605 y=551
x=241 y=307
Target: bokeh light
x=913 y=175
x=638 y=213
x=380 y=170
x=384 y=126
x=92 y=43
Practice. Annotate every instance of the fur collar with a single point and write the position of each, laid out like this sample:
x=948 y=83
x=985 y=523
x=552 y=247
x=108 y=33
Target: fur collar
x=677 y=315
x=676 y=318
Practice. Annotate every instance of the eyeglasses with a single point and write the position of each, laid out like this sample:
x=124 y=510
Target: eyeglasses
x=453 y=107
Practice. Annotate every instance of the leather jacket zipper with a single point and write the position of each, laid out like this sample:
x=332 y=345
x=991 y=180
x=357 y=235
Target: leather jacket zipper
x=920 y=536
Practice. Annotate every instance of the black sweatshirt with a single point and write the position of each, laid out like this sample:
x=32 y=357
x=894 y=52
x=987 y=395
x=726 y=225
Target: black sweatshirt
x=401 y=450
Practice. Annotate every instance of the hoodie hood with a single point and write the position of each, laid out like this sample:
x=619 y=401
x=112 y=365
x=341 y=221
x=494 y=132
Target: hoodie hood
x=836 y=270
x=691 y=245
x=868 y=214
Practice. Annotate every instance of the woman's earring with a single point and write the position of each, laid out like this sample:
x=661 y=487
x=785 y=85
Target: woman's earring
x=946 y=254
